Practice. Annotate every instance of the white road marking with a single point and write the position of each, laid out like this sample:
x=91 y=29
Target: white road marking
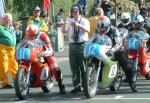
x=20 y=102
x=121 y=98
x=117 y=97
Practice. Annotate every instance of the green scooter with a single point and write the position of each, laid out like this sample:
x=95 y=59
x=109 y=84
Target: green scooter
x=101 y=71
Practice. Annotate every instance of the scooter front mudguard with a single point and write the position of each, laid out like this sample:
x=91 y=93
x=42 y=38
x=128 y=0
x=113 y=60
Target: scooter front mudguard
x=109 y=72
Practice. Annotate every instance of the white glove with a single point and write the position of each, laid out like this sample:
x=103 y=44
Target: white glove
x=48 y=52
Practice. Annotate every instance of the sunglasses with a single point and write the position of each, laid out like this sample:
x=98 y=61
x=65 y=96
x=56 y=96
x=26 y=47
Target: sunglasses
x=36 y=11
x=75 y=12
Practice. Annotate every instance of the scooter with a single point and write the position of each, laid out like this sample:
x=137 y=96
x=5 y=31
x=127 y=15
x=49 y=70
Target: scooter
x=138 y=55
x=33 y=69
x=100 y=72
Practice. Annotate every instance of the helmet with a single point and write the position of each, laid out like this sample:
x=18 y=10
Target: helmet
x=125 y=18
x=103 y=24
x=32 y=30
x=138 y=21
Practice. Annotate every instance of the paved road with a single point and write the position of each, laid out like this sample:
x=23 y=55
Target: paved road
x=124 y=95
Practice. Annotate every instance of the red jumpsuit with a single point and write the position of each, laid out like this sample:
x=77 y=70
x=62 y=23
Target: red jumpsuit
x=51 y=59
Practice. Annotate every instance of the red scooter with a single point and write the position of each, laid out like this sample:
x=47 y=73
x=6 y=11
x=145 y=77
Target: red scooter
x=138 y=55
x=33 y=69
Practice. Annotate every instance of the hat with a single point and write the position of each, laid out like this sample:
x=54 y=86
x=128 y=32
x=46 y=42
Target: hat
x=36 y=8
x=75 y=8
x=61 y=10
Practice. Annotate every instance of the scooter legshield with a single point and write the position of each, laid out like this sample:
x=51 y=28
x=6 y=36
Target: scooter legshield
x=109 y=72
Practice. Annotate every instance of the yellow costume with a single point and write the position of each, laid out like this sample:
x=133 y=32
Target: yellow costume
x=93 y=24
x=40 y=22
x=7 y=55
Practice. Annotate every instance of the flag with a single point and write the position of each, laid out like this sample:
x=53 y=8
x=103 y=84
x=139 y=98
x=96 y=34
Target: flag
x=45 y=7
x=99 y=1
x=2 y=10
x=83 y=5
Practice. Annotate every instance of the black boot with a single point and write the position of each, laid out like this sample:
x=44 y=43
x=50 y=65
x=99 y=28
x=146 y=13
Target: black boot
x=76 y=89
x=132 y=83
x=133 y=87
x=59 y=80
x=61 y=87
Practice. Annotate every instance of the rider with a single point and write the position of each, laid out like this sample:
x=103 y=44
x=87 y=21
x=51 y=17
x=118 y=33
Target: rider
x=104 y=27
x=125 y=20
x=101 y=36
x=32 y=32
x=137 y=31
x=137 y=23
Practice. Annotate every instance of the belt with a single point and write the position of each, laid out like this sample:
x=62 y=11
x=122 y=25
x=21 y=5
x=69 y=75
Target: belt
x=77 y=43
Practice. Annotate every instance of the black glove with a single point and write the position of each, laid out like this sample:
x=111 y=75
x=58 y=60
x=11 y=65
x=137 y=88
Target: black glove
x=109 y=53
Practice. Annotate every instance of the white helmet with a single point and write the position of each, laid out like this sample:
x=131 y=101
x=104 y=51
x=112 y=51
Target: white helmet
x=125 y=18
x=138 y=21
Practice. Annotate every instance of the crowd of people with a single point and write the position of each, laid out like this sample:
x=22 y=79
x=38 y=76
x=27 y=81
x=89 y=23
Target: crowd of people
x=79 y=29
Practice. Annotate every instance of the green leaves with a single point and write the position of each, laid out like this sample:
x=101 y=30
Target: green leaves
x=21 y=8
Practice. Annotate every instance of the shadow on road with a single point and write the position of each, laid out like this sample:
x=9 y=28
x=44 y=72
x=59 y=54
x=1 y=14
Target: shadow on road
x=8 y=95
x=41 y=97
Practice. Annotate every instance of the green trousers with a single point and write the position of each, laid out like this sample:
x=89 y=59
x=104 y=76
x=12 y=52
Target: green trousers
x=77 y=63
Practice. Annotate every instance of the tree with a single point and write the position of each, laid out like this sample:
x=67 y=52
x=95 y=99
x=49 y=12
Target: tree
x=20 y=8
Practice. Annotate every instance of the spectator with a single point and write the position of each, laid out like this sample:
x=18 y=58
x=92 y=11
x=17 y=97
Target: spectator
x=144 y=13
x=59 y=18
x=141 y=4
x=106 y=6
x=17 y=31
x=52 y=33
x=93 y=20
x=77 y=29
x=147 y=20
x=36 y=20
x=7 y=51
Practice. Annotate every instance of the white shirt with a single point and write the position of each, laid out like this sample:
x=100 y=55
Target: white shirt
x=83 y=36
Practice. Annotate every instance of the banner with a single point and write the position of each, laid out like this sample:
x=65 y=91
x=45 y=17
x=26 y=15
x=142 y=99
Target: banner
x=45 y=7
x=2 y=10
x=83 y=5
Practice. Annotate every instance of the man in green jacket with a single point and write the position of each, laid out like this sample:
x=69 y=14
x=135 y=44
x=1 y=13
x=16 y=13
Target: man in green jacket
x=7 y=51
